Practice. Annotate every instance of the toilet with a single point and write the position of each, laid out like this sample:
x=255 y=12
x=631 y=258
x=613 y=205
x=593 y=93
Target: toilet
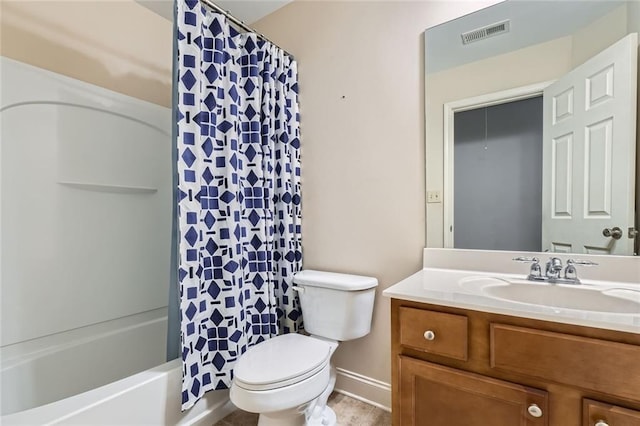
x=288 y=379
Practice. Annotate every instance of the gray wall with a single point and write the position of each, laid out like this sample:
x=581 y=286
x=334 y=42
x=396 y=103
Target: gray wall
x=173 y=314
x=498 y=177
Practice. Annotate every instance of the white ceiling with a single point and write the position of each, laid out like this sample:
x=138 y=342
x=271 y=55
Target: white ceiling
x=248 y=11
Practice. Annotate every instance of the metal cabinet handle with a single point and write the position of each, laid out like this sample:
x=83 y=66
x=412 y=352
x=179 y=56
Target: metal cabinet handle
x=534 y=410
x=615 y=233
x=601 y=423
x=429 y=335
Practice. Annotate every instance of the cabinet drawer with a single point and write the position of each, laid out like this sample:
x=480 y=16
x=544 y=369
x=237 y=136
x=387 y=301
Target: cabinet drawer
x=611 y=415
x=587 y=363
x=434 y=332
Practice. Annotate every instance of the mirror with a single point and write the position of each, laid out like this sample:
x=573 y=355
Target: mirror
x=531 y=112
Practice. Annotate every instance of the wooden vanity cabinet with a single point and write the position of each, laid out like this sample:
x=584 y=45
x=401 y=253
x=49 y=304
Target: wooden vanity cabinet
x=456 y=367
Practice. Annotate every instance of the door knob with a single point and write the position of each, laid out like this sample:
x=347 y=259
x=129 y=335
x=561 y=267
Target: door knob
x=615 y=233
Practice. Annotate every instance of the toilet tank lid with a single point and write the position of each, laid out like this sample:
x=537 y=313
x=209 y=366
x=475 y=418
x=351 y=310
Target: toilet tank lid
x=333 y=280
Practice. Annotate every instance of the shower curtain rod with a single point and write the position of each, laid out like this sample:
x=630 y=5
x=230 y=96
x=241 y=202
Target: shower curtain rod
x=240 y=23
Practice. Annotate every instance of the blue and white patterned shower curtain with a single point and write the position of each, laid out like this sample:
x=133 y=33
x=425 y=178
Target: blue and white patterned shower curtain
x=238 y=195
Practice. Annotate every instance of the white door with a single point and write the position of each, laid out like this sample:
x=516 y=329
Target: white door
x=589 y=143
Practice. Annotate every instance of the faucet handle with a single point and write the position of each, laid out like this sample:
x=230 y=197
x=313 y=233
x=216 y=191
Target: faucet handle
x=526 y=259
x=581 y=262
x=570 y=272
x=535 y=272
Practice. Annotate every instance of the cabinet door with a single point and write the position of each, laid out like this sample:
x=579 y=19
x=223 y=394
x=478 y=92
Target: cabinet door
x=596 y=413
x=433 y=395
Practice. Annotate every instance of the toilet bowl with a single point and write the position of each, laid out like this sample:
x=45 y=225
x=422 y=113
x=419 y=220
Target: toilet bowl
x=288 y=379
x=283 y=377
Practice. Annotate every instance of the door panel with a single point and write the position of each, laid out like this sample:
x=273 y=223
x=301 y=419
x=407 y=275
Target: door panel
x=562 y=186
x=433 y=395
x=589 y=147
x=598 y=185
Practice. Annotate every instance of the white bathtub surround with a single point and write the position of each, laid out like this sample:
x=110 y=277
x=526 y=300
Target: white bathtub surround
x=450 y=277
x=148 y=398
x=83 y=169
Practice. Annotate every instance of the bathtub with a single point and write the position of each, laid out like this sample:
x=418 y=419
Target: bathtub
x=84 y=304
x=91 y=376
x=51 y=368
x=148 y=398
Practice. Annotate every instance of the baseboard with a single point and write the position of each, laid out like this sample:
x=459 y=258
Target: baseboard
x=363 y=388
x=213 y=412
x=354 y=385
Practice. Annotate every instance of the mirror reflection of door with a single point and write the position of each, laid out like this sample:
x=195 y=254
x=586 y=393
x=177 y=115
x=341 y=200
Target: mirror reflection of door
x=534 y=45
x=589 y=152
x=551 y=173
x=498 y=176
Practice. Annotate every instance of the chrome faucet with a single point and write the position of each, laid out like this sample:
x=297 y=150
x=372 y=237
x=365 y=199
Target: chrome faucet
x=553 y=268
x=553 y=273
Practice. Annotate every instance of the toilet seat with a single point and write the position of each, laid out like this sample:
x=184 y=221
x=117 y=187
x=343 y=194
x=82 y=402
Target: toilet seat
x=281 y=361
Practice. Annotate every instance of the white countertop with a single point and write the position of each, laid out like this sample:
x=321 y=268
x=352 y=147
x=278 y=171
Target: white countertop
x=441 y=286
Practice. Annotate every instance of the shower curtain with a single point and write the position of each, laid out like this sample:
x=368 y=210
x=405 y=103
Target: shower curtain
x=238 y=195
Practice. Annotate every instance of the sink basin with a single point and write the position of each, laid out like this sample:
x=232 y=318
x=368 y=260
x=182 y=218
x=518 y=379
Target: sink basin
x=577 y=297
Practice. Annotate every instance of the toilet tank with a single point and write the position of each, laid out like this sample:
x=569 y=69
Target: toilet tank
x=336 y=306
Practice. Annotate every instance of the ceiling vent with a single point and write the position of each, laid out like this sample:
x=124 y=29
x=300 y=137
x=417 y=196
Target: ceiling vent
x=485 y=32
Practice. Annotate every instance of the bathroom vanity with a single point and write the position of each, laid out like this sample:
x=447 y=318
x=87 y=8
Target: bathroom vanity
x=512 y=165
x=461 y=357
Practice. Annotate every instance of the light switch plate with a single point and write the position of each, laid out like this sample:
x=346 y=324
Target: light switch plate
x=434 y=196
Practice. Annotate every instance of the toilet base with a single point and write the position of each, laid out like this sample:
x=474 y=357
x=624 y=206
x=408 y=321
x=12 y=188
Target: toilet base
x=296 y=418
x=328 y=418
x=292 y=417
